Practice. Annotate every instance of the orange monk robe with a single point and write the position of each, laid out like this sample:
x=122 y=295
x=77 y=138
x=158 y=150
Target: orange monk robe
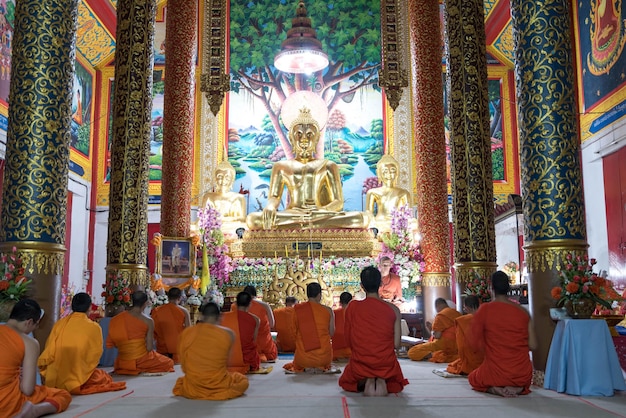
x=265 y=344
x=285 y=329
x=340 y=346
x=469 y=358
x=502 y=328
x=313 y=347
x=204 y=350
x=11 y=397
x=128 y=334
x=369 y=331
x=443 y=349
x=244 y=355
x=390 y=287
x=169 y=322
x=70 y=358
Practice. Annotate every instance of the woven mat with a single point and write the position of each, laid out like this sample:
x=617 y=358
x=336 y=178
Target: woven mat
x=444 y=373
x=262 y=370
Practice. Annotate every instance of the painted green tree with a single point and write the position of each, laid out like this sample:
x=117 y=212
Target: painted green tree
x=349 y=31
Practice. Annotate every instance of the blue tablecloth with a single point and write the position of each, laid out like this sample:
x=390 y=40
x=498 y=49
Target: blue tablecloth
x=582 y=359
x=108 y=354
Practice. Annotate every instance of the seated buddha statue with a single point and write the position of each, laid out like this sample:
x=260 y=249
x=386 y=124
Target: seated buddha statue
x=381 y=201
x=231 y=205
x=315 y=195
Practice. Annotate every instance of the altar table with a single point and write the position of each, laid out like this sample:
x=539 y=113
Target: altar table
x=582 y=359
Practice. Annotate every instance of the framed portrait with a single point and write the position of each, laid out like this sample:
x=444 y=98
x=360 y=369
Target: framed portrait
x=176 y=258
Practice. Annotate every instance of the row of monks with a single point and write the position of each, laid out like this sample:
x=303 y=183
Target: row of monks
x=315 y=195
x=491 y=345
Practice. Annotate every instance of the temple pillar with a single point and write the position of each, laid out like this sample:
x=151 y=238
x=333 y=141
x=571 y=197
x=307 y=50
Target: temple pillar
x=127 y=244
x=34 y=200
x=551 y=176
x=178 y=117
x=430 y=151
x=470 y=142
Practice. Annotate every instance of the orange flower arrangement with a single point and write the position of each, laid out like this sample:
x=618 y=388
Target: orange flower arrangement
x=578 y=281
x=13 y=284
x=116 y=290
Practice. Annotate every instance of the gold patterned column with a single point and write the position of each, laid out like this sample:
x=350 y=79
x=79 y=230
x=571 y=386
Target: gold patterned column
x=470 y=142
x=34 y=203
x=430 y=150
x=178 y=117
x=127 y=246
x=552 y=196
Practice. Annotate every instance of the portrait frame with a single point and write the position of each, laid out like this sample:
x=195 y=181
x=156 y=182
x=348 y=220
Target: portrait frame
x=176 y=260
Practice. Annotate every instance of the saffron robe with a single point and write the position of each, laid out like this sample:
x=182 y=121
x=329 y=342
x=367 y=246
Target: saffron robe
x=443 y=349
x=244 y=355
x=469 y=358
x=128 y=334
x=204 y=350
x=313 y=347
x=369 y=332
x=70 y=358
x=340 y=346
x=265 y=344
x=390 y=287
x=11 y=397
x=285 y=329
x=169 y=322
x=501 y=328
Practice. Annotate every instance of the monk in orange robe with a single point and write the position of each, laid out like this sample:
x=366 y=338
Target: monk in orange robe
x=132 y=333
x=391 y=286
x=169 y=321
x=285 y=327
x=204 y=350
x=340 y=346
x=265 y=343
x=506 y=333
x=315 y=326
x=19 y=393
x=73 y=349
x=372 y=331
x=245 y=326
x=469 y=358
x=442 y=345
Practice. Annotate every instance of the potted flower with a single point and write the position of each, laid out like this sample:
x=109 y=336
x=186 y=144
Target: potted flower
x=479 y=286
x=579 y=289
x=116 y=293
x=13 y=284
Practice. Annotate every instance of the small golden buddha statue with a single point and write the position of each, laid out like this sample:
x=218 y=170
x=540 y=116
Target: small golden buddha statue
x=314 y=187
x=381 y=201
x=231 y=205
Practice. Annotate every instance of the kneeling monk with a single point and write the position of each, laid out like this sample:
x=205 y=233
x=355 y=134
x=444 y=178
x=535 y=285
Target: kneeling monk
x=244 y=356
x=204 y=349
x=315 y=325
x=372 y=331
x=132 y=333
x=442 y=345
x=19 y=395
x=73 y=350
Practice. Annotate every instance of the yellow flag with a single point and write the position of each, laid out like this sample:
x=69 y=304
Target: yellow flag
x=206 y=277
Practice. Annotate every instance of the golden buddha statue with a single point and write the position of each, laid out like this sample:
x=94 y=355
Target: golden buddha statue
x=315 y=193
x=231 y=205
x=381 y=201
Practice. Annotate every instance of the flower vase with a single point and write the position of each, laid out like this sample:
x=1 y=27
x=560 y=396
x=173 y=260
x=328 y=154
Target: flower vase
x=111 y=310
x=193 y=313
x=581 y=308
x=6 y=306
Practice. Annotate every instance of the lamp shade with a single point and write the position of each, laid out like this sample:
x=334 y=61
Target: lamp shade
x=301 y=52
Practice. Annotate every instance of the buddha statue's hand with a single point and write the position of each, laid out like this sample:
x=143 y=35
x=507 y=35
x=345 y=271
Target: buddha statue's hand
x=269 y=217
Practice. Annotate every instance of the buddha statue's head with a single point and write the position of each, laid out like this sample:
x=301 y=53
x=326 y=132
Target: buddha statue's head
x=304 y=133
x=224 y=175
x=387 y=170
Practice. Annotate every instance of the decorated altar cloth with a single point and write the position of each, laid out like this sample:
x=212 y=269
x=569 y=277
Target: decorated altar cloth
x=620 y=348
x=583 y=360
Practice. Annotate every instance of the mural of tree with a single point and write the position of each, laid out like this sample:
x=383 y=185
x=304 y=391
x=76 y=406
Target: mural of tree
x=336 y=122
x=348 y=30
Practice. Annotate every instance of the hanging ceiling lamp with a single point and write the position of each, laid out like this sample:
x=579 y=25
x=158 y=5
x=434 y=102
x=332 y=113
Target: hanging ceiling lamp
x=301 y=52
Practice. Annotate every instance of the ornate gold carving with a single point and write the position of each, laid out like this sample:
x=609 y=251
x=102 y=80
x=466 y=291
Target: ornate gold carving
x=215 y=81
x=38 y=257
x=34 y=202
x=470 y=143
x=466 y=271
x=542 y=256
x=294 y=283
x=135 y=274
x=392 y=77
x=435 y=280
x=338 y=242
